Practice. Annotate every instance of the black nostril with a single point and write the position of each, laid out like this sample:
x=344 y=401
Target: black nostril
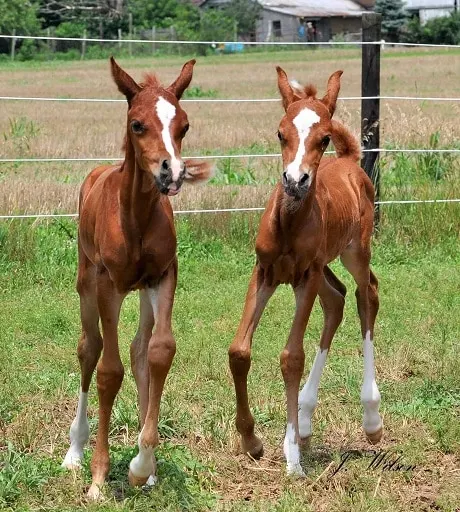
x=304 y=179
x=165 y=165
x=285 y=179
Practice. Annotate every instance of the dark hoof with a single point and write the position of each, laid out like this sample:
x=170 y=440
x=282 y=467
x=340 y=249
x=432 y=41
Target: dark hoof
x=375 y=437
x=254 y=447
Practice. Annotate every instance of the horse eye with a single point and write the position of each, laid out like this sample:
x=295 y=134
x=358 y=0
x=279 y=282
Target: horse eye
x=325 y=142
x=280 y=136
x=137 y=127
x=185 y=130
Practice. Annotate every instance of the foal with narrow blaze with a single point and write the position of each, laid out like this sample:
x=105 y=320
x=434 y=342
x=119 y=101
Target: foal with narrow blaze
x=127 y=241
x=323 y=208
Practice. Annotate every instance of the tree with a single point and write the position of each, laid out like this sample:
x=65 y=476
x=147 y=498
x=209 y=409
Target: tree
x=394 y=18
x=158 y=13
x=245 y=13
x=442 y=30
x=20 y=15
x=56 y=12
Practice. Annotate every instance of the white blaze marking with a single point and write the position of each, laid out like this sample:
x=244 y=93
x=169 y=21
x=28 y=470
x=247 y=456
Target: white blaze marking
x=370 y=395
x=79 y=434
x=143 y=464
x=303 y=121
x=166 y=112
x=308 y=397
x=292 y=452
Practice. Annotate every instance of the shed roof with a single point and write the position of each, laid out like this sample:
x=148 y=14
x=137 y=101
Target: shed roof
x=314 y=8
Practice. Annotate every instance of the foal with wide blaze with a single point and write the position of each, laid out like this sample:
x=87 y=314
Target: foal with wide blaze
x=322 y=209
x=127 y=241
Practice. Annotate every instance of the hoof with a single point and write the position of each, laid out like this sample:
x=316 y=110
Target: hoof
x=305 y=442
x=254 y=447
x=152 y=481
x=72 y=466
x=375 y=437
x=136 y=481
x=295 y=470
x=94 y=493
x=72 y=460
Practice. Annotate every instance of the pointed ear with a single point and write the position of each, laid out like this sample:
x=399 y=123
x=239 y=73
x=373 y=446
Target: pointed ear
x=287 y=94
x=126 y=85
x=197 y=172
x=183 y=80
x=333 y=88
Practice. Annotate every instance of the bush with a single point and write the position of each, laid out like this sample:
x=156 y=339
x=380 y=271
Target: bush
x=443 y=30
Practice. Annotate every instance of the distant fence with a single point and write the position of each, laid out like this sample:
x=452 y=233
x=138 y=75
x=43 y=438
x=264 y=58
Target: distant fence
x=370 y=107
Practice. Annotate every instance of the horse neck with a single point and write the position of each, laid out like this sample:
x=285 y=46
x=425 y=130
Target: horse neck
x=295 y=214
x=138 y=194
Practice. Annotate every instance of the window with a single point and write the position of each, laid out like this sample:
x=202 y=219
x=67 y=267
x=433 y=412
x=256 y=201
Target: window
x=276 y=28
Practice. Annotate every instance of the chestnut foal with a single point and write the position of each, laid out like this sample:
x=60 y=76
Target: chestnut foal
x=324 y=208
x=127 y=241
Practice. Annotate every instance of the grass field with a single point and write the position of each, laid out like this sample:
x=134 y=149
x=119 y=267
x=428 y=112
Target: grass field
x=416 y=257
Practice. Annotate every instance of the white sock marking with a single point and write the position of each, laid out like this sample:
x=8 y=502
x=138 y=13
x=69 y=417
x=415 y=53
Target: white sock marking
x=79 y=434
x=308 y=397
x=153 y=296
x=370 y=395
x=166 y=112
x=143 y=465
x=303 y=121
x=292 y=452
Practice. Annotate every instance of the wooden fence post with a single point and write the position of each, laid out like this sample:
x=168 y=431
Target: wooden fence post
x=370 y=108
x=13 y=44
x=119 y=38
x=154 y=35
x=83 y=45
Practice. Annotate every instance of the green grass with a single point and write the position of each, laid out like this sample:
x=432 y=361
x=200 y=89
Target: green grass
x=416 y=259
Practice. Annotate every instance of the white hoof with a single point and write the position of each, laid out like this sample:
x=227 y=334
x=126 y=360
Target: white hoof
x=152 y=481
x=94 y=493
x=73 y=459
x=295 y=470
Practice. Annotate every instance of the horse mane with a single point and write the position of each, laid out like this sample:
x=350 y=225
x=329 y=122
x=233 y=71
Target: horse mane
x=345 y=143
x=303 y=92
x=150 y=80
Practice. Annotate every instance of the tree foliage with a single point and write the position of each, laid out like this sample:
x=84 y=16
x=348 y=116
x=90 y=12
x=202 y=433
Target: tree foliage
x=159 y=13
x=20 y=15
x=394 y=17
x=443 y=30
x=245 y=13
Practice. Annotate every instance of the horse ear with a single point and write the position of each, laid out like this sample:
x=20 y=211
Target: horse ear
x=183 y=80
x=126 y=85
x=287 y=94
x=333 y=88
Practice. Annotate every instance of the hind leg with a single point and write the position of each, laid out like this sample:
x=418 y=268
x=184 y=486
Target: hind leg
x=357 y=263
x=332 y=299
x=89 y=350
x=139 y=362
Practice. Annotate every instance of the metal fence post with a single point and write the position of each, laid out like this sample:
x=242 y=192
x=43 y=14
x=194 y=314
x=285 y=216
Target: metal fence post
x=370 y=108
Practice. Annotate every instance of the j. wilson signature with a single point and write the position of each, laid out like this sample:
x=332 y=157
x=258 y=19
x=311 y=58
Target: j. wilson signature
x=383 y=460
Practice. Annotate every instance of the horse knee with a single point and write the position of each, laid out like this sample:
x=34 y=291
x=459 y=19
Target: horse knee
x=240 y=360
x=161 y=351
x=292 y=363
x=109 y=377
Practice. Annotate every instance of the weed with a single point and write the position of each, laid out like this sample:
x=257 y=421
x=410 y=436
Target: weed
x=21 y=131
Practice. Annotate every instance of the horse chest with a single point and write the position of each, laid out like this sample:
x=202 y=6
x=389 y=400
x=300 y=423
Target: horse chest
x=286 y=262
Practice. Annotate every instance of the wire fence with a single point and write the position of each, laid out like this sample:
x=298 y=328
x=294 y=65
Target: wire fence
x=229 y=100
x=225 y=100
x=217 y=42
x=222 y=210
